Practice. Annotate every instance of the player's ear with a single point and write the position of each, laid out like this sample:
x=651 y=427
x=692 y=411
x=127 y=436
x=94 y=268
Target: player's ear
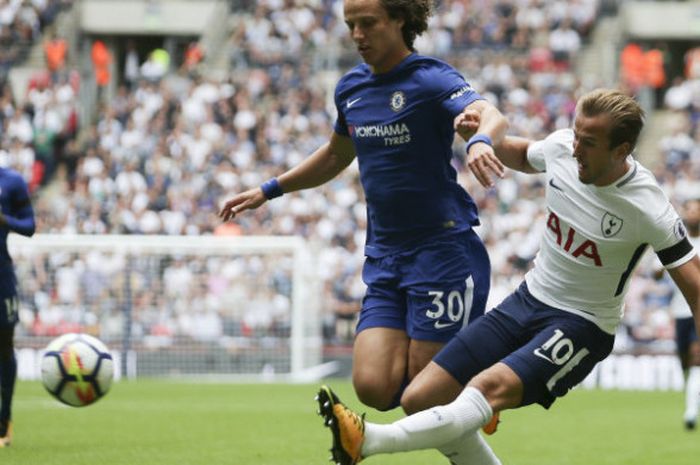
x=622 y=150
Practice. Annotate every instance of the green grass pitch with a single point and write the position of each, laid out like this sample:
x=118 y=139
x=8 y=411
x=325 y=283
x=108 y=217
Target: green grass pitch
x=171 y=423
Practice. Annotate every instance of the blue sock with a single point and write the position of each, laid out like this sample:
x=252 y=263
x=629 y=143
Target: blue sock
x=8 y=374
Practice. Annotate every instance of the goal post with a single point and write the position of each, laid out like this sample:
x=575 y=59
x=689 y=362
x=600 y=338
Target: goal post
x=227 y=307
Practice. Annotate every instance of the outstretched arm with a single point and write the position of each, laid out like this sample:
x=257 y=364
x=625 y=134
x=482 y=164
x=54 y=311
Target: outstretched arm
x=491 y=127
x=687 y=278
x=512 y=152
x=320 y=167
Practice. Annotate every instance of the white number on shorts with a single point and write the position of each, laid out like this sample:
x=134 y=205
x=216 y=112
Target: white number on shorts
x=12 y=307
x=559 y=350
x=456 y=303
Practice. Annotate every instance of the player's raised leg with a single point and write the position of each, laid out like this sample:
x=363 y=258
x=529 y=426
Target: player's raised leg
x=354 y=438
x=435 y=386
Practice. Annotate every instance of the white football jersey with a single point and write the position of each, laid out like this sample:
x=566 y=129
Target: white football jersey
x=679 y=306
x=595 y=236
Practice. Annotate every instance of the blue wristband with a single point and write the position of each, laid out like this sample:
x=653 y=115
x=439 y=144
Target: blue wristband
x=476 y=138
x=271 y=189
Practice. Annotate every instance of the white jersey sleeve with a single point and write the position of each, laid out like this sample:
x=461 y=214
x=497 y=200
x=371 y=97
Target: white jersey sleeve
x=679 y=306
x=594 y=236
x=538 y=151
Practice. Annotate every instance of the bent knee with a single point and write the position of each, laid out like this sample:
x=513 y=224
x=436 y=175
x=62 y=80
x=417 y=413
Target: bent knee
x=500 y=385
x=414 y=399
x=376 y=392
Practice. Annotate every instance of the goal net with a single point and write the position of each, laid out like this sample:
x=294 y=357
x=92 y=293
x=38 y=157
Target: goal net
x=174 y=306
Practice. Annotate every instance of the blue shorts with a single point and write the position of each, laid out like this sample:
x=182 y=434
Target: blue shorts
x=431 y=292
x=685 y=334
x=549 y=349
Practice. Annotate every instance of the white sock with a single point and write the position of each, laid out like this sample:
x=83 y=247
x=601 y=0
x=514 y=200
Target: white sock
x=692 y=394
x=470 y=449
x=430 y=428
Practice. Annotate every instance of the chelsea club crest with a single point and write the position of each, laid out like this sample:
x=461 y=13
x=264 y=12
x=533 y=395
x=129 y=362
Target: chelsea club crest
x=398 y=100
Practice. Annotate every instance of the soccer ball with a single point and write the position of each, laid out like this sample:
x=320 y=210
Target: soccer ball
x=77 y=369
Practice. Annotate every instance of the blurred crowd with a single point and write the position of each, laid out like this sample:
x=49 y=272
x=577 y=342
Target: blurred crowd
x=164 y=153
x=21 y=22
x=230 y=300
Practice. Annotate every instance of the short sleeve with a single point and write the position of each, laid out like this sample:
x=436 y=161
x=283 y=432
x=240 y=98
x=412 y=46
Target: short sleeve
x=667 y=235
x=536 y=155
x=558 y=144
x=340 y=126
x=455 y=92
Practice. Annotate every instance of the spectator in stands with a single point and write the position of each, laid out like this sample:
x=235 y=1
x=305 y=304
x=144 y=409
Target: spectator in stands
x=679 y=95
x=655 y=72
x=194 y=54
x=132 y=70
x=157 y=64
x=101 y=61
x=55 y=52
x=564 y=42
x=632 y=70
x=692 y=63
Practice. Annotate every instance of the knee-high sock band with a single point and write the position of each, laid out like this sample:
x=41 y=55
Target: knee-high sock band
x=430 y=428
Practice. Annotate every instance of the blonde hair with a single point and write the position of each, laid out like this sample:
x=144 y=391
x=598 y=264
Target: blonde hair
x=626 y=116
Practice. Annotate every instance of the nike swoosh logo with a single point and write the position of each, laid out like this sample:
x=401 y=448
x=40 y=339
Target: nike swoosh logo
x=551 y=183
x=440 y=325
x=539 y=353
x=353 y=102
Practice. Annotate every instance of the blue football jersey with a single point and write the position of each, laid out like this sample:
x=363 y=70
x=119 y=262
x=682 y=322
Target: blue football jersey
x=401 y=124
x=17 y=209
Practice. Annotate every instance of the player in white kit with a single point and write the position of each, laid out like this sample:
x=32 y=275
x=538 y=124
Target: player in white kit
x=603 y=211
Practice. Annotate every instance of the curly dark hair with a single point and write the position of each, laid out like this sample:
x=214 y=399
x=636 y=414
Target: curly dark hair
x=415 y=14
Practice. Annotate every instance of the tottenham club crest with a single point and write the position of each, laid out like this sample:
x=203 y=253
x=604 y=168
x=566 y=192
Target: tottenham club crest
x=398 y=100
x=610 y=225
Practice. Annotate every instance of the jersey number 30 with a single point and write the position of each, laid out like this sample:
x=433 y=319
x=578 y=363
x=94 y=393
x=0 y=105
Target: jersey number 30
x=457 y=305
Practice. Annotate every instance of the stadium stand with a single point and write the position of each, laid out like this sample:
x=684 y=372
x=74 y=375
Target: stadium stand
x=163 y=151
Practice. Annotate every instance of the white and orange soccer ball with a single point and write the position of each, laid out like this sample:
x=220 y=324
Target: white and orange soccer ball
x=77 y=369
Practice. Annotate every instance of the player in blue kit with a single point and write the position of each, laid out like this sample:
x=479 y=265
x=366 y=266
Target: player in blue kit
x=604 y=210
x=426 y=270
x=16 y=216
